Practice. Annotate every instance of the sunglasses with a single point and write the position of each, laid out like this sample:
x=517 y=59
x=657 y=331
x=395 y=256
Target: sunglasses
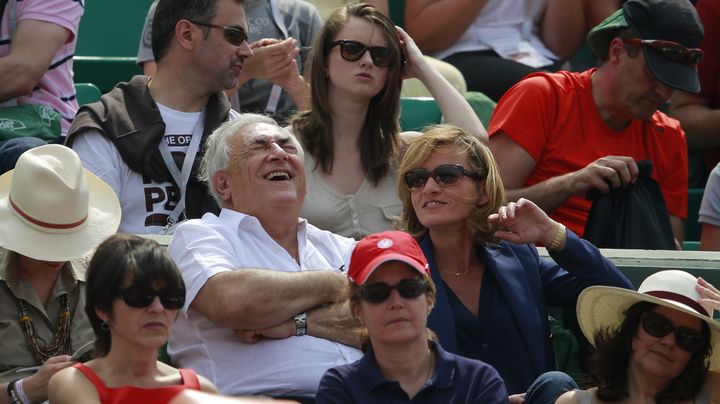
x=352 y=51
x=670 y=50
x=171 y=299
x=407 y=288
x=445 y=174
x=659 y=326
x=236 y=36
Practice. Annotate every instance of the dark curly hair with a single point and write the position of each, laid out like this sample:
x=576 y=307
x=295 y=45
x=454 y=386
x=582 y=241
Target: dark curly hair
x=609 y=363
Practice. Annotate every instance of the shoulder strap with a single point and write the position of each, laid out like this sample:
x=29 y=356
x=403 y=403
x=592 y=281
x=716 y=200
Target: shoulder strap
x=190 y=379
x=94 y=379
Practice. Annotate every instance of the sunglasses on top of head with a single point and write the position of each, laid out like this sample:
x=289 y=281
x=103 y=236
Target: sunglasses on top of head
x=659 y=326
x=445 y=174
x=236 y=36
x=407 y=288
x=352 y=51
x=171 y=299
x=670 y=50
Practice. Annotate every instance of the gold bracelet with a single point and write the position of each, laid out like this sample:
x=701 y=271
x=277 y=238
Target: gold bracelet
x=559 y=239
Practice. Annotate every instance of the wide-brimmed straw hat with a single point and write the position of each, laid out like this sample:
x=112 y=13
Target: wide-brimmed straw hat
x=52 y=209
x=602 y=307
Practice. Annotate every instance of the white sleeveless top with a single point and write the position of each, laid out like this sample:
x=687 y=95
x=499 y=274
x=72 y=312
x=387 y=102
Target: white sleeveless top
x=370 y=209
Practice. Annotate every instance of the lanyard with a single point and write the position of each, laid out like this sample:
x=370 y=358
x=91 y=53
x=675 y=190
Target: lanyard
x=181 y=177
x=276 y=90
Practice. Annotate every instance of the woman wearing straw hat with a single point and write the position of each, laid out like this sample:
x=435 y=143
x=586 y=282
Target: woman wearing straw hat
x=655 y=345
x=391 y=294
x=52 y=213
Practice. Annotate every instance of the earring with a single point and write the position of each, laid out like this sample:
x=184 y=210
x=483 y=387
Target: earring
x=105 y=326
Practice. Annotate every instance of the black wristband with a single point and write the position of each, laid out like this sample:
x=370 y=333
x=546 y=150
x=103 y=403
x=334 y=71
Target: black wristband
x=11 y=392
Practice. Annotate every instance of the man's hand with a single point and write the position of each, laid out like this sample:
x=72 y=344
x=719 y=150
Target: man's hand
x=605 y=174
x=283 y=330
x=272 y=60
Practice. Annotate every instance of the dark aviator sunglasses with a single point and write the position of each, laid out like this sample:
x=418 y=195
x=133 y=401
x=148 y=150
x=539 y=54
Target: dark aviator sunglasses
x=380 y=291
x=234 y=35
x=171 y=299
x=670 y=50
x=659 y=326
x=445 y=174
x=352 y=51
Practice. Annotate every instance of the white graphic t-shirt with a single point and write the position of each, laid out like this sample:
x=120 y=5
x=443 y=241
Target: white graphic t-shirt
x=146 y=204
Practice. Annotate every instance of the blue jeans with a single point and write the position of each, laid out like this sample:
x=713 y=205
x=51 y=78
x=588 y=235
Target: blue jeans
x=11 y=149
x=548 y=387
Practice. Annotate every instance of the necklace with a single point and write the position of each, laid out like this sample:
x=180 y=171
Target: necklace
x=463 y=273
x=60 y=344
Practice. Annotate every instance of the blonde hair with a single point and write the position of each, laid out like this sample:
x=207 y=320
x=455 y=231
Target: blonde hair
x=482 y=163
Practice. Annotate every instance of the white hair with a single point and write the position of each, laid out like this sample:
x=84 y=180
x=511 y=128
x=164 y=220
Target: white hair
x=218 y=147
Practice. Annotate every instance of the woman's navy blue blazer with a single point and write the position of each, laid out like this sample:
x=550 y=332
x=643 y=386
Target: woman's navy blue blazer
x=529 y=283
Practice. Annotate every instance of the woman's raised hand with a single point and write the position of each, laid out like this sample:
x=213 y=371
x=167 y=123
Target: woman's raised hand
x=413 y=55
x=710 y=296
x=524 y=222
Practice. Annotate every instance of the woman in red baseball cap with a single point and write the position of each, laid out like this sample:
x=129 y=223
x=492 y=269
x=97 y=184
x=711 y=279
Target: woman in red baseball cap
x=391 y=294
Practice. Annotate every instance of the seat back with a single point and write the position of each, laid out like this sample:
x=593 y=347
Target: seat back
x=108 y=40
x=417 y=113
x=86 y=93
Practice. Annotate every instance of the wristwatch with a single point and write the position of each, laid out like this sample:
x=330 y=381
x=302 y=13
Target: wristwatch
x=300 y=324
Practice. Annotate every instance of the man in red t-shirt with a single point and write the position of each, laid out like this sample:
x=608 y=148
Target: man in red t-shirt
x=699 y=113
x=556 y=136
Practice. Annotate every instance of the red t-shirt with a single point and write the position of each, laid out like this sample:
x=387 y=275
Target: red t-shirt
x=554 y=118
x=709 y=68
x=132 y=394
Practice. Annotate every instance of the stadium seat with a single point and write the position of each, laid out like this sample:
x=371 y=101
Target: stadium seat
x=417 y=113
x=86 y=93
x=108 y=40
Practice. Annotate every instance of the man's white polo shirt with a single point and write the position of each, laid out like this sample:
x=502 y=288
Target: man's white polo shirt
x=210 y=245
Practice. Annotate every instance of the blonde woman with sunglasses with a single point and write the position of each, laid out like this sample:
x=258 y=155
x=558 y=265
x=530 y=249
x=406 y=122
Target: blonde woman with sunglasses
x=350 y=134
x=492 y=287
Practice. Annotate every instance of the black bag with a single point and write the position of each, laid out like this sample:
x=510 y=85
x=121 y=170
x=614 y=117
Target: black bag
x=631 y=217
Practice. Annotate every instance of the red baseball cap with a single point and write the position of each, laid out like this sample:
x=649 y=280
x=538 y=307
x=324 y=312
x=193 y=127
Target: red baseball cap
x=379 y=248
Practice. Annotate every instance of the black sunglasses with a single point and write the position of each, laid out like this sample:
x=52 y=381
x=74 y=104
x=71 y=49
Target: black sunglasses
x=670 y=50
x=171 y=299
x=445 y=174
x=352 y=51
x=659 y=326
x=236 y=36
x=407 y=288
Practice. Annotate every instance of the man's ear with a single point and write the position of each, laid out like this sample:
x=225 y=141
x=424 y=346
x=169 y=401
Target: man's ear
x=221 y=185
x=186 y=33
x=615 y=49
